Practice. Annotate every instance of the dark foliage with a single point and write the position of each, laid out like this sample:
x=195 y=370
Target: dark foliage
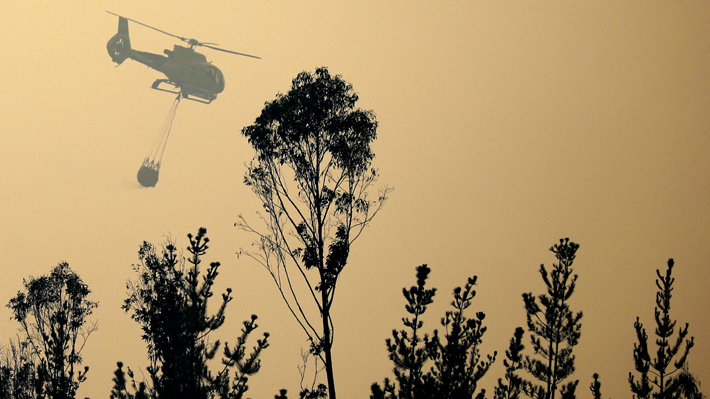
x=19 y=377
x=52 y=312
x=312 y=173
x=120 y=382
x=510 y=389
x=688 y=385
x=457 y=361
x=458 y=365
x=596 y=387
x=659 y=377
x=169 y=301
x=554 y=328
x=408 y=350
x=320 y=392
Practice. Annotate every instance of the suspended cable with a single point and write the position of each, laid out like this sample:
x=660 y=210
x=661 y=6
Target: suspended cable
x=148 y=173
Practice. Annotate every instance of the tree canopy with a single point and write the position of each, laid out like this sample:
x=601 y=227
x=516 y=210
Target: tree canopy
x=312 y=171
x=53 y=313
x=170 y=302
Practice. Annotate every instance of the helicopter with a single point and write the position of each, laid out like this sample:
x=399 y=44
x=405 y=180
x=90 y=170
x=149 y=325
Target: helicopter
x=188 y=72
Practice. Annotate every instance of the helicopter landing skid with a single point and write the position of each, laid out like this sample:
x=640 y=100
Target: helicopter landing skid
x=175 y=90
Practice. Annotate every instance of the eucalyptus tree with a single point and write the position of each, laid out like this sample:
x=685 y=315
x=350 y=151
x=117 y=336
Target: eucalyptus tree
x=19 y=377
x=312 y=173
x=53 y=313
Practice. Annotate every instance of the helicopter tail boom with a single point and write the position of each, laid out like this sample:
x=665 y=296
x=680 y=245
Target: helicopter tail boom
x=119 y=46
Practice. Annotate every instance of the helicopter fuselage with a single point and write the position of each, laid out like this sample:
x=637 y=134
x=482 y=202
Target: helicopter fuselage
x=187 y=71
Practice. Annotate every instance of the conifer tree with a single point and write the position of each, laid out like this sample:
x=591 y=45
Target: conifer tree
x=408 y=350
x=457 y=360
x=511 y=389
x=596 y=387
x=120 y=384
x=659 y=377
x=554 y=328
x=169 y=300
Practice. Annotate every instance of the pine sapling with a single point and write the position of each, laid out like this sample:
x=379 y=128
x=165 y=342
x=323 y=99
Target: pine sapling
x=659 y=377
x=458 y=364
x=554 y=328
x=408 y=350
x=513 y=385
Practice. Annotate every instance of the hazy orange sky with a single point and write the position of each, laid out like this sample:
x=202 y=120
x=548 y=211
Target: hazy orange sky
x=504 y=126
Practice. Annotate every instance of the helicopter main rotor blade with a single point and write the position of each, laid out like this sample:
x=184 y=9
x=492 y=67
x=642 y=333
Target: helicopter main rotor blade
x=148 y=26
x=191 y=42
x=229 y=51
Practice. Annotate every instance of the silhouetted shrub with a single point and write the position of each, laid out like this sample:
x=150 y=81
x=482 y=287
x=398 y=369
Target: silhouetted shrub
x=52 y=312
x=456 y=356
x=664 y=382
x=169 y=301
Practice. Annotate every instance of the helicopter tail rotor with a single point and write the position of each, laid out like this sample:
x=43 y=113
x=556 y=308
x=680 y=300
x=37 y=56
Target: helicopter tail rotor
x=119 y=46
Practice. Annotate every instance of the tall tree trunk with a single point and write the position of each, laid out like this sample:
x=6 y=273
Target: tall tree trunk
x=327 y=346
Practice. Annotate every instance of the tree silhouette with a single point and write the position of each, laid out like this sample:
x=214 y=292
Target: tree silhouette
x=19 y=378
x=52 y=312
x=688 y=385
x=596 y=387
x=554 y=328
x=511 y=389
x=312 y=174
x=659 y=377
x=457 y=360
x=169 y=300
x=120 y=382
x=407 y=349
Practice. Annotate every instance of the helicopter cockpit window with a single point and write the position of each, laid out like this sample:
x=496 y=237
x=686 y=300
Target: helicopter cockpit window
x=216 y=75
